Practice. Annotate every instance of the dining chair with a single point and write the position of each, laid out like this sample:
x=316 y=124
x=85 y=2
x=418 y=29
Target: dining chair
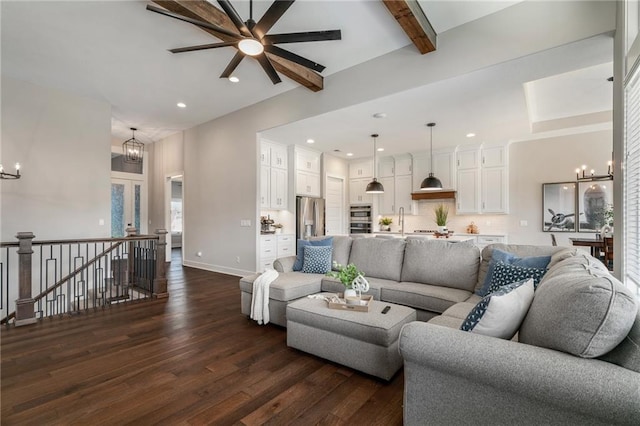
x=608 y=252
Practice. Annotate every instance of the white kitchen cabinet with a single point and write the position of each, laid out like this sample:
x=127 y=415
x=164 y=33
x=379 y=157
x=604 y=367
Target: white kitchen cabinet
x=494 y=156
x=273 y=246
x=307 y=161
x=358 y=191
x=468 y=192
x=385 y=167
x=386 y=200
x=361 y=169
x=265 y=187
x=468 y=159
x=403 y=194
x=403 y=165
x=278 y=156
x=421 y=168
x=494 y=190
x=273 y=176
x=278 y=189
x=444 y=168
x=307 y=184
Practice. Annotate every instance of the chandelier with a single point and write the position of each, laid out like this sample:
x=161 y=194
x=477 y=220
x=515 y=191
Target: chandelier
x=132 y=149
x=5 y=175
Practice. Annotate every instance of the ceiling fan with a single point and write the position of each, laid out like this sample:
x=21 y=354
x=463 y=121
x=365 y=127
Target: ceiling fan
x=253 y=39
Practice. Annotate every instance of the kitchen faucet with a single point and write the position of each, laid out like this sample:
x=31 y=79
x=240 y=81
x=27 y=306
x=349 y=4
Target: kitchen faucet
x=401 y=220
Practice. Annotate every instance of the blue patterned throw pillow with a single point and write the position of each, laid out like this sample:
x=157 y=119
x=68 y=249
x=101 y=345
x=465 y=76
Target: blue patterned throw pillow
x=504 y=274
x=317 y=260
x=297 y=266
x=497 y=255
x=501 y=313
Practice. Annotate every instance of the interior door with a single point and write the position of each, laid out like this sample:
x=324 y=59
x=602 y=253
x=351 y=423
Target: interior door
x=126 y=207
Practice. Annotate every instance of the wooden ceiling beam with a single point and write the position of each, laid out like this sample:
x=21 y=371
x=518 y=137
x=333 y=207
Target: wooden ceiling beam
x=204 y=11
x=414 y=22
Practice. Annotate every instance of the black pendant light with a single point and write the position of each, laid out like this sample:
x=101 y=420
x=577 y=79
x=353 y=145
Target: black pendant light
x=374 y=187
x=132 y=149
x=431 y=183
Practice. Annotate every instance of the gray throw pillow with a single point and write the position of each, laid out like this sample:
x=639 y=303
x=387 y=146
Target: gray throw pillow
x=583 y=311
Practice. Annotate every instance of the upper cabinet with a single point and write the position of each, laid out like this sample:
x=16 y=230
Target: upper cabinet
x=395 y=174
x=482 y=180
x=361 y=169
x=444 y=168
x=279 y=156
x=306 y=175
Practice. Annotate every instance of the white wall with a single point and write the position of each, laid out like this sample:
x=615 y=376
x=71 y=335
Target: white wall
x=546 y=161
x=221 y=156
x=165 y=159
x=63 y=143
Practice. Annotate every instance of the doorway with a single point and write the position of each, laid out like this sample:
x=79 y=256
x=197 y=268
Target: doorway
x=174 y=209
x=334 y=208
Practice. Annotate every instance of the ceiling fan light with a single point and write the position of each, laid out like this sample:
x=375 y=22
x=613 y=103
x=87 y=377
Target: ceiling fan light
x=374 y=187
x=250 y=46
x=431 y=183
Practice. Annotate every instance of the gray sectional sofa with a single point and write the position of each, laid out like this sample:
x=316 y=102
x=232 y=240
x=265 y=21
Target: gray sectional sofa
x=575 y=359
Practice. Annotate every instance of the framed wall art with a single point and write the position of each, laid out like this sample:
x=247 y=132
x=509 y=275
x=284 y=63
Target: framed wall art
x=594 y=198
x=559 y=207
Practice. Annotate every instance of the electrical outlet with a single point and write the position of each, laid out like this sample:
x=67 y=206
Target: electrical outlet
x=101 y=222
x=524 y=223
x=237 y=259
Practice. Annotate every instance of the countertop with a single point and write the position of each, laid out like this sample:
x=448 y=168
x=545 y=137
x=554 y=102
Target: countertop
x=482 y=234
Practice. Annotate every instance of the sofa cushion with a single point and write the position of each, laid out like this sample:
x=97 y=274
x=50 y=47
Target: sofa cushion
x=301 y=244
x=341 y=248
x=460 y=310
x=627 y=353
x=441 y=263
x=447 y=321
x=289 y=286
x=538 y=262
x=377 y=257
x=504 y=274
x=583 y=310
x=518 y=250
x=317 y=260
x=500 y=313
x=423 y=296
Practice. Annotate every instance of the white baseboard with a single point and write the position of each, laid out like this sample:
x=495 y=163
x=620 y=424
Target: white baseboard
x=217 y=268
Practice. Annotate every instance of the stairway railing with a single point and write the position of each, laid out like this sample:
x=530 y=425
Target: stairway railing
x=71 y=276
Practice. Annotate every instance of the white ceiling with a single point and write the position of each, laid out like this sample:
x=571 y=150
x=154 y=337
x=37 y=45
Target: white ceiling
x=116 y=51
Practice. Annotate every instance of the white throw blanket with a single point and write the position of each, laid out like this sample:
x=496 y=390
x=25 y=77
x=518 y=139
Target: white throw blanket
x=260 y=296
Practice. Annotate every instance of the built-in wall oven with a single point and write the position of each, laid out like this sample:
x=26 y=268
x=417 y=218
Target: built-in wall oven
x=360 y=218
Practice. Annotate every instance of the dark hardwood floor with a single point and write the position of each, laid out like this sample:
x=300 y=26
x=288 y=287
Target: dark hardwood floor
x=190 y=359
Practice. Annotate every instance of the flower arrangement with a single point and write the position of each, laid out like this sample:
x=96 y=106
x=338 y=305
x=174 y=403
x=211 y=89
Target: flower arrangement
x=346 y=274
x=608 y=215
x=441 y=213
x=386 y=221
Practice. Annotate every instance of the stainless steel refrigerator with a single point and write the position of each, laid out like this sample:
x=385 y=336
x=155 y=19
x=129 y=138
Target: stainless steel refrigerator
x=309 y=217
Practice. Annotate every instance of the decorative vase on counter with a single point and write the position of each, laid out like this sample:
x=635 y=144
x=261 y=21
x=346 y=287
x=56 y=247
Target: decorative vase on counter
x=442 y=229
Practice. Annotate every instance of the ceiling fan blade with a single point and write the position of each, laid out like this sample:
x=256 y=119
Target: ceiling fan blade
x=275 y=11
x=268 y=68
x=235 y=61
x=302 y=37
x=203 y=47
x=293 y=57
x=235 y=18
x=193 y=21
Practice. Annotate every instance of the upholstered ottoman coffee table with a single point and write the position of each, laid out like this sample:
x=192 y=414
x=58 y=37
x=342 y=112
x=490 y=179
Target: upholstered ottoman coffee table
x=365 y=341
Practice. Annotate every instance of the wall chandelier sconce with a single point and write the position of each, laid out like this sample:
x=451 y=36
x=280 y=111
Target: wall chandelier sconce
x=592 y=176
x=132 y=149
x=5 y=175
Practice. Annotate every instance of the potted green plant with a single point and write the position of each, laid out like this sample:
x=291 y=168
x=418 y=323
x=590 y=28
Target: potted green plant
x=346 y=275
x=441 y=214
x=385 y=223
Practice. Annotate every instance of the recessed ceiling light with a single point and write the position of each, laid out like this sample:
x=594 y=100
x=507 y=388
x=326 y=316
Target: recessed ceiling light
x=310 y=141
x=234 y=79
x=470 y=135
x=181 y=105
x=349 y=154
x=380 y=149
